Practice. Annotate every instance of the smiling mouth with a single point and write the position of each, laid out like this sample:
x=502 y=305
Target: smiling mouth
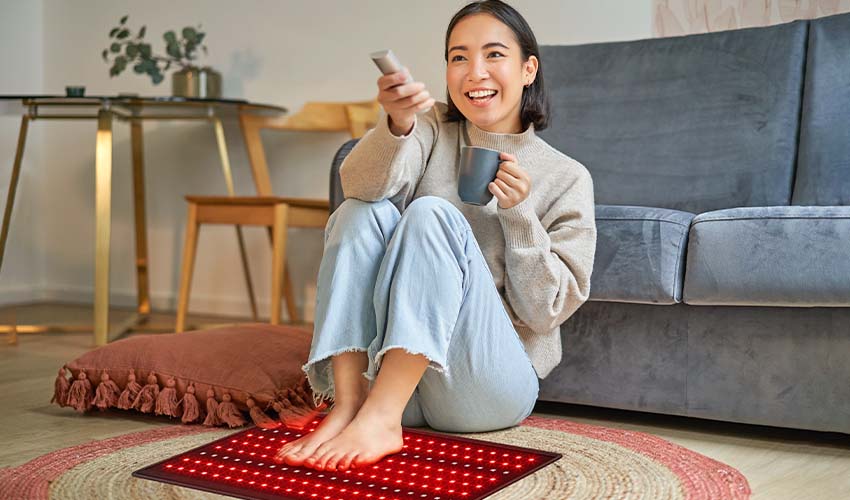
x=481 y=100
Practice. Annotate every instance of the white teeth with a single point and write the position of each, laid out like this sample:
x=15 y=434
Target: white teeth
x=481 y=93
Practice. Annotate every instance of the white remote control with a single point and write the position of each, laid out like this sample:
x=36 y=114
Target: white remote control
x=387 y=62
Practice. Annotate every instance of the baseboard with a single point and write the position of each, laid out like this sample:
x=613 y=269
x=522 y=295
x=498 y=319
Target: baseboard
x=160 y=301
x=21 y=295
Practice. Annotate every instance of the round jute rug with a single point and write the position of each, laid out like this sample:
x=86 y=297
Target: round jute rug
x=597 y=462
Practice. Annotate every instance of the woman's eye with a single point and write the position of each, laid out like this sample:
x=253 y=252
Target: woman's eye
x=455 y=58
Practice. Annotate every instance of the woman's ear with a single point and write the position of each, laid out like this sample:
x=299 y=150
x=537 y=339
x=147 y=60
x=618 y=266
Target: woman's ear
x=529 y=70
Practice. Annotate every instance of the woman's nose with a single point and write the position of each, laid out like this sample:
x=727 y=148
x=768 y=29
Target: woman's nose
x=477 y=70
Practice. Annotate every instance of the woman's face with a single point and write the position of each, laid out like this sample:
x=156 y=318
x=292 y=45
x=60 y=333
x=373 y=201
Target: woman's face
x=485 y=56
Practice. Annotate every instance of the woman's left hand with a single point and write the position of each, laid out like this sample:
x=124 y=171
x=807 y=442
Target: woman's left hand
x=512 y=183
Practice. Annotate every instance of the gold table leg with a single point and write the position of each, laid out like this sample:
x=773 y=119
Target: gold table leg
x=103 y=221
x=13 y=185
x=228 y=178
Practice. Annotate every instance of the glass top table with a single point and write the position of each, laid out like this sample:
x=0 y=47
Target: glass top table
x=134 y=110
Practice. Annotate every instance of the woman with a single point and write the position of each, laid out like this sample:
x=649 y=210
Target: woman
x=404 y=285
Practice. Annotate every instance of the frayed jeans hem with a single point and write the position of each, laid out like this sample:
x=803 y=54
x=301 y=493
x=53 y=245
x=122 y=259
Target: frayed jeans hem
x=374 y=368
x=319 y=371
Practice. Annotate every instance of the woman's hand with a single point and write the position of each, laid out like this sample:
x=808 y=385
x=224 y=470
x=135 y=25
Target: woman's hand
x=402 y=100
x=512 y=183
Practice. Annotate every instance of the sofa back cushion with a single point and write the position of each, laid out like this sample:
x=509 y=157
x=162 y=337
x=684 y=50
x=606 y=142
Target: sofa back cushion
x=692 y=123
x=823 y=165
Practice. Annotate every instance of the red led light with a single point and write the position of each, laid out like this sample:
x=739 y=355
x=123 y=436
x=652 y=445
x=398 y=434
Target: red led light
x=433 y=471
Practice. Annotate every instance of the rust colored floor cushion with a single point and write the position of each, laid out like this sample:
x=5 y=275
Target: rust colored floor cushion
x=214 y=377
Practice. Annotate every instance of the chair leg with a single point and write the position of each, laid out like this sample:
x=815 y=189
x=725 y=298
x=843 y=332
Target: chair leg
x=278 y=258
x=291 y=308
x=189 y=248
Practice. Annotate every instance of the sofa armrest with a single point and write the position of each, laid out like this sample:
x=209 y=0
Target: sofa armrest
x=639 y=254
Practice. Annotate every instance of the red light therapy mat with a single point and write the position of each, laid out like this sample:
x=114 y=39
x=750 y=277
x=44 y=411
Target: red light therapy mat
x=431 y=466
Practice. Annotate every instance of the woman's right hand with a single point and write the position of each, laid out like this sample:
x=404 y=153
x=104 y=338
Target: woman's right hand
x=402 y=100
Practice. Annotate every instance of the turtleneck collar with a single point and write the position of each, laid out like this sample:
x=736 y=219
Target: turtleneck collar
x=508 y=143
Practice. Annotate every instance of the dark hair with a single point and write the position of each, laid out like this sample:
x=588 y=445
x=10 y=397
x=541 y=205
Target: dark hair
x=534 y=107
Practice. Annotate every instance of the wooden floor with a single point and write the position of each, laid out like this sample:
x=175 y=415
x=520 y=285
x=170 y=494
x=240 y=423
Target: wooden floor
x=778 y=463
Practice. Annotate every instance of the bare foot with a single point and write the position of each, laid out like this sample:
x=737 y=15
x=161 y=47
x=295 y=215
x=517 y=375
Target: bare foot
x=366 y=440
x=295 y=452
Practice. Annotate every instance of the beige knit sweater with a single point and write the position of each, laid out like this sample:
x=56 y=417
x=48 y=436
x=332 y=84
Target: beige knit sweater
x=540 y=251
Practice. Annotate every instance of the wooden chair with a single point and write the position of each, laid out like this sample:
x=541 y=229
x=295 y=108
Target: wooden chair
x=276 y=213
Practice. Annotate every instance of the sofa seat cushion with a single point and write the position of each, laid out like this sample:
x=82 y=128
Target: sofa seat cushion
x=770 y=256
x=639 y=254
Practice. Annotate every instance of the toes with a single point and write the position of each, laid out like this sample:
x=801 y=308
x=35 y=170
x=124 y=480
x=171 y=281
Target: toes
x=318 y=453
x=363 y=460
x=295 y=457
x=347 y=461
x=331 y=463
x=283 y=452
x=319 y=460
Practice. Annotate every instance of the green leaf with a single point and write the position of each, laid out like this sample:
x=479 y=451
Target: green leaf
x=170 y=37
x=118 y=66
x=156 y=78
x=145 y=49
x=115 y=47
x=200 y=38
x=105 y=51
x=189 y=49
x=173 y=50
x=132 y=50
x=139 y=68
x=113 y=32
x=142 y=32
x=124 y=19
x=123 y=34
x=189 y=34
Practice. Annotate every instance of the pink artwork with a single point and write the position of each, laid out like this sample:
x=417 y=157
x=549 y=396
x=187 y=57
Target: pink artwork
x=685 y=17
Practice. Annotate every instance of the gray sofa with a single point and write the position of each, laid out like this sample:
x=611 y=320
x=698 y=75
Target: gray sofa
x=721 y=167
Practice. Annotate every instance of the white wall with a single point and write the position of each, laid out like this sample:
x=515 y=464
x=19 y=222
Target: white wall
x=279 y=52
x=22 y=71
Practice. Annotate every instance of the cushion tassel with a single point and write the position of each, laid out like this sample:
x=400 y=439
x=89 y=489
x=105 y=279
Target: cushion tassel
x=107 y=393
x=212 y=409
x=146 y=399
x=191 y=408
x=292 y=416
x=166 y=401
x=128 y=396
x=60 y=388
x=228 y=413
x=259 y=416
x=80 y=394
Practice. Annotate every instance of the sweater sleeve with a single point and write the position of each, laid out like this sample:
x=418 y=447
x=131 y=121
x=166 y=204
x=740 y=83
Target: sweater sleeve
x=548 y=264
x=383 y=165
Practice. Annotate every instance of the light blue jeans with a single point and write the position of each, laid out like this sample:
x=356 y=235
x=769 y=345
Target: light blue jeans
x=419 y=281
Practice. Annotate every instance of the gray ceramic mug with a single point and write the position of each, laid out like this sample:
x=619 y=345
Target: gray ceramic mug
x=478 y=168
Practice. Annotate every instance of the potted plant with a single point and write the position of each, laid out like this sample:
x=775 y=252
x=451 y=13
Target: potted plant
x=128 y=50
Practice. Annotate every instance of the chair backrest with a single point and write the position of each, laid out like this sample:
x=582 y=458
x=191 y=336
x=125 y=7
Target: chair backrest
x=352 y=117
x=362 y=117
